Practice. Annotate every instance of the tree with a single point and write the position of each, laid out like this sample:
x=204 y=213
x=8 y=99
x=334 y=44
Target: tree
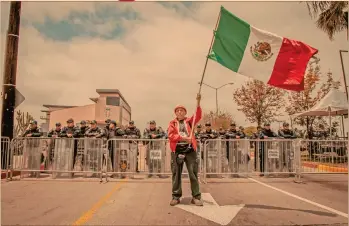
x=22 y=122
x=332 y=16
x=259 y=102
x=223 y=119
x=310 y=96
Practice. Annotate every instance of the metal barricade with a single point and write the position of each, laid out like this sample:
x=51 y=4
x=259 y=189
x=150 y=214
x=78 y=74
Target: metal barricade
x=57 y=156
x=276 y=156
x=120 y=157
x=225 y=158
x=324 y=156
x=5 y=156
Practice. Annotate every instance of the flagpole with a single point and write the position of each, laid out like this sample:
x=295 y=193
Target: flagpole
x=204 y=71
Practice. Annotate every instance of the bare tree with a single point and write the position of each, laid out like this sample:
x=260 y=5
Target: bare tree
x=22 y=122
x=223 y=119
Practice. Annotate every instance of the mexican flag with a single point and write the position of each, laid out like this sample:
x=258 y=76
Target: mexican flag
x=261 y=55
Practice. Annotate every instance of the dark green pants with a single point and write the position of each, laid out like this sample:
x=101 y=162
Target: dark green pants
x=192 y=164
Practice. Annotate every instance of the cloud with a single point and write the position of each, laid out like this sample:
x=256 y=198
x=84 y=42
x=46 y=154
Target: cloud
x=157 y=61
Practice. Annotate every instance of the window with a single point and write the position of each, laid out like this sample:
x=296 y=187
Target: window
x=113 y=101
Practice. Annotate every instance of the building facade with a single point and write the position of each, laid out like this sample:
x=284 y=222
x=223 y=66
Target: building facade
x=110 y=104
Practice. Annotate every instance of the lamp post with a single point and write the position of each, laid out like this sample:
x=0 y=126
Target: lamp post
x=217 y=88
x=345 y=83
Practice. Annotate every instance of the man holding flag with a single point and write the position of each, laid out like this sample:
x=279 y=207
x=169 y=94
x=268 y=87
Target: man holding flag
x=183 y=146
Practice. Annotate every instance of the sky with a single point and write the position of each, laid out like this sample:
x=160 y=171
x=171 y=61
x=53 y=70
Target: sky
x=153 y=52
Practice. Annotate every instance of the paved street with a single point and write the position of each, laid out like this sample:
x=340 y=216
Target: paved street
x=268 y=201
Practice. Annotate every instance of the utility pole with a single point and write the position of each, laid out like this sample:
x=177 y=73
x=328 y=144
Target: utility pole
x=10 y=70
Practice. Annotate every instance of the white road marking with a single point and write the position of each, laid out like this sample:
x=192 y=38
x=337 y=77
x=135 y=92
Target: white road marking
x=302 y=199
x=222 y=215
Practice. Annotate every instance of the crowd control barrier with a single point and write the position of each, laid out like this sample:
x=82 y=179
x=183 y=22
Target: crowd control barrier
x=151 y=158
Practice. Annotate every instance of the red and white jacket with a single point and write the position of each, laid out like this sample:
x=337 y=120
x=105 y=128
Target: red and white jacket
x=173 y=129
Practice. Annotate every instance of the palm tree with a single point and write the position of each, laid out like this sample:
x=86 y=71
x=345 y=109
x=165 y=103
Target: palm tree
x=332 y=17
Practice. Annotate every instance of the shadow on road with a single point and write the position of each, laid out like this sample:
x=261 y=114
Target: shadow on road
x=320 y=213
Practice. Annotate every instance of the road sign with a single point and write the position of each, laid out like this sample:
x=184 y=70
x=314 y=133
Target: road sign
x=19 y=98
x=222 y=215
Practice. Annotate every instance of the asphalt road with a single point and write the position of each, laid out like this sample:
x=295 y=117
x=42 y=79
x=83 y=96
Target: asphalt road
x=320 y=200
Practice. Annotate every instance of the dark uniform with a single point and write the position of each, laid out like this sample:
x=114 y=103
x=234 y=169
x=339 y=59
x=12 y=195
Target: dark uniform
x=33 y=131
x=232 y=147
x=287 y=152
x=256 y=144
x=54 y=133
x=153 y=132
x=221 y=133
x=114 y=132
x=264 y=134
x=71 y=131
x=134 y=133
x=83 y=128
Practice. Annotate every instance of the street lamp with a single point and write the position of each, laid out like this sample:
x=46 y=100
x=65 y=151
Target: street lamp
x=216 y=88
x=345 y=84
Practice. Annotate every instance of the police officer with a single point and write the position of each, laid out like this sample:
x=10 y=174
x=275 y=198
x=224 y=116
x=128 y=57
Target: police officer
x=153 y=132
x=107 y=123
x=33 y=130
x=208 y=132
x=95 y=131
x=198 y=131
x=114 y=132
x=287 y=152
x=221 y=133
x=255 y=136
x=133 y=132
x=232 y=147
x=286 y=132
x=54 y=133
x=71 y=131
x=266 y=133
x=83 y=128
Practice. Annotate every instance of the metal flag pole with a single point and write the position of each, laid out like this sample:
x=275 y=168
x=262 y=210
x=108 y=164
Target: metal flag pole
x=204 y=71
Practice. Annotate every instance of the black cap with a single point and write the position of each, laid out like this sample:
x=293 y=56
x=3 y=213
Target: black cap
x=33 y=122
x=285 y=124
x=267 y=124
x=240 y=127
x=207 y=124
x=108 y=121
x=58 y=124
x=131 y=122
x=113 y=122
x=93 y=122
x=198 y=126
x=152 y=122
x=232 y=124
x=83 y=122
x=70 y=120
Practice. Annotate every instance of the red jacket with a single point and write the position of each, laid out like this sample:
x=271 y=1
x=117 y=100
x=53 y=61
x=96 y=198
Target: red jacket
x=173 y=129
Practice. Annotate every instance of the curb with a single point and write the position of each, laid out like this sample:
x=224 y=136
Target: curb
x=14 y=174
x=332 y=169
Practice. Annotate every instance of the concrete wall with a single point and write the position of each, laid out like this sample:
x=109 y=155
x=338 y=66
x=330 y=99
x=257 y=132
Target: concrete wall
x=86 y=112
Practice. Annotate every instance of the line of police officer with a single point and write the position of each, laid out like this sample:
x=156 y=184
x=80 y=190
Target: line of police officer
x=153 y=132
x=111 y=131
x=234 y=133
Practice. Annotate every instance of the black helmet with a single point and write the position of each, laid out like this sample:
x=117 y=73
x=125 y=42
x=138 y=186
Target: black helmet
x=207 y=124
